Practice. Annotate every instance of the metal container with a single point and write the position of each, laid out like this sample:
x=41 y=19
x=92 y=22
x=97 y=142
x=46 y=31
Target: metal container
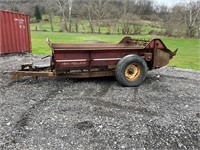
x=128 y=60
x=104 y=55
x=14 y=33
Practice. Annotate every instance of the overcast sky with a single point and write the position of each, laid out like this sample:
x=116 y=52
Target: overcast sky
x=173 y=2
x=169 y=2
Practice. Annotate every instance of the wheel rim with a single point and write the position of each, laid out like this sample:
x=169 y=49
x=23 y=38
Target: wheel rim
x=132 y=72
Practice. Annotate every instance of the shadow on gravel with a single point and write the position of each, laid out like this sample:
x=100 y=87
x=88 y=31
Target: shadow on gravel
x=125 y=108
x=85 y=125
x=40 y=80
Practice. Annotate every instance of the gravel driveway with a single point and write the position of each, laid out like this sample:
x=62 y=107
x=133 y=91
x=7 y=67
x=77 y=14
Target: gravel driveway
x=87 y=114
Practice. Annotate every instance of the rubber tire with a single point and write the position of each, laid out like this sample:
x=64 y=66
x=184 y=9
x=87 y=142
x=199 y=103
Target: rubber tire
x=122 y=65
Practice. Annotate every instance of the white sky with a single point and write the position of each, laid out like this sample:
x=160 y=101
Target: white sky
x=169 y=2
x=173 y=2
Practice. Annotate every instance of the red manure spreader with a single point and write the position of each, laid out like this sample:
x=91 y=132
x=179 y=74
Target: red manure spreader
x=128 y=61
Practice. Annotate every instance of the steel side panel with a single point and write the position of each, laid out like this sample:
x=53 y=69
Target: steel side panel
x=14 y=33
x=28 y=34
x=1 y=32
x=10 y=25
x=66 y=60
x=114 y=53
x=4 y=35
x=29 y=44
x=71 y=55
x=17 y=32
x=62 y=59
x=106 y=56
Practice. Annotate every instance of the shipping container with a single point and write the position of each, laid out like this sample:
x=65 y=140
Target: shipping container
x=14 y=32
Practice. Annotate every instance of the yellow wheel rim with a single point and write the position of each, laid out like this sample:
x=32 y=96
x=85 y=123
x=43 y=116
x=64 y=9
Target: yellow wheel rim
x=132 y=72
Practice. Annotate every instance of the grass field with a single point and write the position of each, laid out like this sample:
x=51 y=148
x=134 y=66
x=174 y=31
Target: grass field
x=188 y=55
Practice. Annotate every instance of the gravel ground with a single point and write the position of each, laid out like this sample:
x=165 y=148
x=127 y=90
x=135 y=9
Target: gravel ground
x=87 y=114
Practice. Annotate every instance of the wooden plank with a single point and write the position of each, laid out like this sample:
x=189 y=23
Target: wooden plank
x=19 y=74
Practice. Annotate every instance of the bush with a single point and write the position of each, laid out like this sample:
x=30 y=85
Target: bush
x=154 y=32
x=34 y=21
x=108 y=33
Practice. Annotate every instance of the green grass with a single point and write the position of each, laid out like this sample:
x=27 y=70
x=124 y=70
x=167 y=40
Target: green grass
x=188 y=55
x=40 y=47
x=84 y=27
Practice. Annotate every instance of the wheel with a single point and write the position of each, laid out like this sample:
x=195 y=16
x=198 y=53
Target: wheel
x=131 y=70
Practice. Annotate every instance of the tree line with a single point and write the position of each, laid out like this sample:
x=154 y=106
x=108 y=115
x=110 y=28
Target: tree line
x=125 y=17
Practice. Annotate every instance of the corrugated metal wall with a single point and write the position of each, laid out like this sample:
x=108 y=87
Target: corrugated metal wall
x=14 y=33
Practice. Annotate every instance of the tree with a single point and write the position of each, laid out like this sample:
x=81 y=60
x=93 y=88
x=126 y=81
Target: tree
x=70 y=4
x=100 y=9
x=12 y=4
x=38 y=15
x=187 y=15
x=143 y=8
x=193 y=12
x=62 y=5
x=79 y=11
x=89 y=7
x=50 y=10
x=127 y=17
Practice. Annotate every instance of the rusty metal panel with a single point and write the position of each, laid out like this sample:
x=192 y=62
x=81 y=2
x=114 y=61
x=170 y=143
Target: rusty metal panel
x=71 y=59
x=14 y=33
x=68 y=57
x=97 y=60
